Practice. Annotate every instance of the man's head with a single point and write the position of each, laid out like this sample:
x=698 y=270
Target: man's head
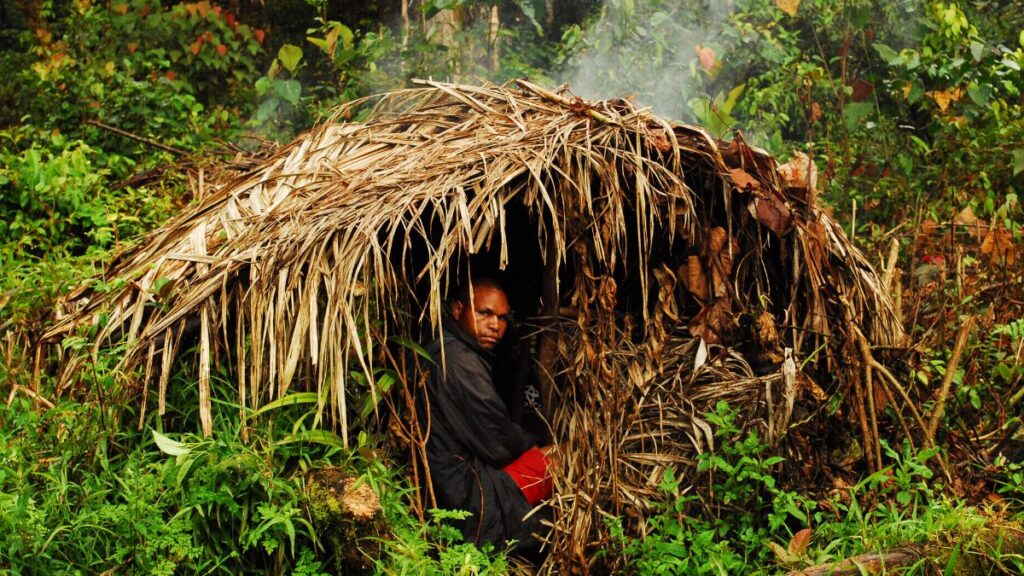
x=481 y=310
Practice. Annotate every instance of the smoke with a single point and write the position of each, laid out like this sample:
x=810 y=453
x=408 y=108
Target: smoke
x=663 y=53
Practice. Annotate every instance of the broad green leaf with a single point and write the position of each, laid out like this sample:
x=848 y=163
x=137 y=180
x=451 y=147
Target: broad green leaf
x=262 y=85
x=715 y=120
x=289 y=400
x=168 y=446
x=322 y=437
x=341 y=57
x=344 y=34
x=1018 y=161
x=526 y=6
x=979 y=94
x=855 y=113
x=734 y=96
x=890 y=56
x=289 y=55
x=860 y=17
x=977 y=51
x=288 y=90
x=179 y=478
x=413 y=346
x=318 y=42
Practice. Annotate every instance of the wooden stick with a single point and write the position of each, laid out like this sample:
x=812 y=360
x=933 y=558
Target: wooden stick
x=137 y=138
x=30 y=393
x=549 y=95
x=947 y=380
x=890 y=264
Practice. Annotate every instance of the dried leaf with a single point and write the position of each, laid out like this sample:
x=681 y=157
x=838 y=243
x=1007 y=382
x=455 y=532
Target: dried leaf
x=714 y=323
x=658 y=138
x=719 y=256
x=966 y=217
x=781 y=554
x=862 y=90
x=998 y=246
x=815 y=113
x=788 y=6
x=773 y=214
x=743 y=181
x=694 y=278
x=767 y=333
x=667 y=293
x=702 y=355
x=798 y=544
x=943 y=98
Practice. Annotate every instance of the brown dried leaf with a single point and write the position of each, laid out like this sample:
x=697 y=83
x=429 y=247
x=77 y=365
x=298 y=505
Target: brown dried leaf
x=714 y=323
x=719 y=255
x=667 y=292
x=773 y=214
x=862 y=90
x=926 y=230
x=801 y=173
x=815 y=114
x=743 y=181
x=966 y=217
x=658 y=139
x=998 y=246
x=798 y=544
x=694 y=278
x=767 y=333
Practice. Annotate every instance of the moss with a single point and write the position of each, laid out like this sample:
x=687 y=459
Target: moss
x=347 y=518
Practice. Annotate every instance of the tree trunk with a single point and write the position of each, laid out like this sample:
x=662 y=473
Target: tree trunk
x=494 y=39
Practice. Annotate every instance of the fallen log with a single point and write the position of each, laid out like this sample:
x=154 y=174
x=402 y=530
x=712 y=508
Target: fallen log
x=993 y=548
x=870 y=563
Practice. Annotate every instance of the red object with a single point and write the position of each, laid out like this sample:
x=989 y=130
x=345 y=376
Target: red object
x=530 y=473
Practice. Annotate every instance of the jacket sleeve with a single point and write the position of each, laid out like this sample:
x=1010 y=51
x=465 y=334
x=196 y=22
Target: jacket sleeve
x=477 y=414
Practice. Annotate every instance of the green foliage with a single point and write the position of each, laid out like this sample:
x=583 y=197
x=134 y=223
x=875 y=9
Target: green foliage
x=50 y=194
x=723 y=527
x=151 y=81
x=912 y=110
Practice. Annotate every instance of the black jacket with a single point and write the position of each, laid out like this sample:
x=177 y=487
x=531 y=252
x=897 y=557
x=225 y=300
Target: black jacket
x=471 y=437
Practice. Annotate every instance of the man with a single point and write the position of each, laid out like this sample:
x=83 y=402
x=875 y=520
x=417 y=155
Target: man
x=480 y=460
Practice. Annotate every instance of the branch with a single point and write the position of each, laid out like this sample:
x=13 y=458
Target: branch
x=568 y=102
x=137 y=138
x=947 y=380
x=870 y=563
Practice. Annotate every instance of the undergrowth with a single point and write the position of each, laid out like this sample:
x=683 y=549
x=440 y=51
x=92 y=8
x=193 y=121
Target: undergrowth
x=732 y=517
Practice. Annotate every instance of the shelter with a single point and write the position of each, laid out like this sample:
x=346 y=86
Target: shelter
x=659 y=271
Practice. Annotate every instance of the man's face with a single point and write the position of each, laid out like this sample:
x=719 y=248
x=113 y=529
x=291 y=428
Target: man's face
x=485 y=318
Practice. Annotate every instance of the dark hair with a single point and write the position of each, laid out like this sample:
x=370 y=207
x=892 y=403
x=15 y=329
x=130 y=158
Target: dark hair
x=461 y=293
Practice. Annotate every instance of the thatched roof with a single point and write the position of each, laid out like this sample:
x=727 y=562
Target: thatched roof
x=675 y=253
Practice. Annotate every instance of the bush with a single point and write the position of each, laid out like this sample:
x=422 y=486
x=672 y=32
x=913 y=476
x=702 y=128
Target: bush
x=720 y=527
